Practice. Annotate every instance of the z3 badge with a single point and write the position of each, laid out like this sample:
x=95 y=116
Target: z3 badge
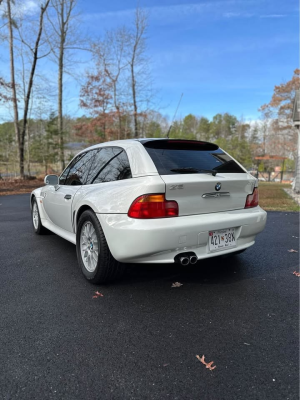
x=174 y=187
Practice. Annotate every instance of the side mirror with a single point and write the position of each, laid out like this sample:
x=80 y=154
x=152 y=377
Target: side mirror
x=51 y=180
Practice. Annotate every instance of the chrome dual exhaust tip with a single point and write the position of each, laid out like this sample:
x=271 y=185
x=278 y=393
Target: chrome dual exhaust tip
x=184 y=260
x=193 y=260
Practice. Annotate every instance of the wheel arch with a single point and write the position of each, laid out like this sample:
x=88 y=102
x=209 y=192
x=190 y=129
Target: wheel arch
x=35 y=194
x=79 y=212
x=32 y=197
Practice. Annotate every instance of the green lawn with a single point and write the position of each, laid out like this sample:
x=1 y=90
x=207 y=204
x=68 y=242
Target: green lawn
x=272 y=197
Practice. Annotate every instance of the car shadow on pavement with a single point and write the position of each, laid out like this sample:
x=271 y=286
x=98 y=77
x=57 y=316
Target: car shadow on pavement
x=217 y=270
x=220 y=270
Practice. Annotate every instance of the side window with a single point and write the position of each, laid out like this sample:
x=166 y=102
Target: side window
x=110 y=164
x=63 y=176
x=79 y=170
x=99 y=161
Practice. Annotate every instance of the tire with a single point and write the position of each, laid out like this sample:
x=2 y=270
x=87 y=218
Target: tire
x=36 y=219
x=94 y=257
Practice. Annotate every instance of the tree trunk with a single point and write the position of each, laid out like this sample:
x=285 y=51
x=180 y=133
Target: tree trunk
x=14 y=92
x=60 y=89
x=135 y=109
x=297 y=176
x=29 y=89
x=117 y=109
x=28 y=151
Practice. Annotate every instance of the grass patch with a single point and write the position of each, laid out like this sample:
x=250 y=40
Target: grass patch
x=272 y=197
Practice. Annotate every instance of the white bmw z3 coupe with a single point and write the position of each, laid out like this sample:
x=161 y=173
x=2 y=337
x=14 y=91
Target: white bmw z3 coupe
x=149 y=201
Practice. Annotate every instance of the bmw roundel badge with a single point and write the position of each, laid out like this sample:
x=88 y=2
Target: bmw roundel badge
x=218 y=186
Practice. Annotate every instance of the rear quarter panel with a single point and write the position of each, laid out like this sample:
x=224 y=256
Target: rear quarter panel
x=116 y=197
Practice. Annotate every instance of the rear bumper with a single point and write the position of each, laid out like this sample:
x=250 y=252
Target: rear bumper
x=160 y=240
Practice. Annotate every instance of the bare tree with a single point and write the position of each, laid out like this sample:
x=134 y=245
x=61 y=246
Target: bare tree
x=63 y=37
x=20 y=129
x=279 y=112
x=11 y=24
x=5 y=88
x=111 y=59
x=137 y=60
x=121 y=78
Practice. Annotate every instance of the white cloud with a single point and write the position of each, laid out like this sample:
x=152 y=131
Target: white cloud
x=237 y=15
x=227 y=9
x=23 y=7
x=30 y=7
x=272 y=16
x=171 y=12
x=231 y=15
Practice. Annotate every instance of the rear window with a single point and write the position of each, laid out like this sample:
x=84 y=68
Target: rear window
x=189 y=157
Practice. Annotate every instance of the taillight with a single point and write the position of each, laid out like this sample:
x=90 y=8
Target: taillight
x=252 y=199
x=153 y=206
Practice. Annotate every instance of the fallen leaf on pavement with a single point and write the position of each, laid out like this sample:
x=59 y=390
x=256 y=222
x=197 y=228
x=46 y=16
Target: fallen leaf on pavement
x=296 y=273
x=176 y=284
x=98 y=294
x=208 y=365
x=292 y=251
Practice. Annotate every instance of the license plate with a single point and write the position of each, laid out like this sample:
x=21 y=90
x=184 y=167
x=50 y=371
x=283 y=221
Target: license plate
x=221 y=240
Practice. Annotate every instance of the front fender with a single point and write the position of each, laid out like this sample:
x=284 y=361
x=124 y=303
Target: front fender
x=35 y=193
x=38 y=195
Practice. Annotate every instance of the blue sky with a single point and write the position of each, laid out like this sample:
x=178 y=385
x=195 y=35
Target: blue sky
x=225 y=56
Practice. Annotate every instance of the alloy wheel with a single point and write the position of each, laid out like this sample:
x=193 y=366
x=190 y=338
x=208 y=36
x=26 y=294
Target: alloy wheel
x=35 y=216
x=89 y=246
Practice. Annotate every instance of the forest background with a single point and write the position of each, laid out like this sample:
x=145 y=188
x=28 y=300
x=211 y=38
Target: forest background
x=118 y=97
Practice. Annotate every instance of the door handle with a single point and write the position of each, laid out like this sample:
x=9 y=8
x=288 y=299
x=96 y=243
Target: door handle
x=68 y=196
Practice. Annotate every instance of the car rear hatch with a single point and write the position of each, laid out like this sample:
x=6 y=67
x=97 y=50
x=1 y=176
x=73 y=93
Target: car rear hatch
x=200 y=176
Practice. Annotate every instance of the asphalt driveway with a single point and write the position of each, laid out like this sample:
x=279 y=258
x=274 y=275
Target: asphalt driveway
x=140 y=340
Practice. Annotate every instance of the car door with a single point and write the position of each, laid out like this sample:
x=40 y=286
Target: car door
x=58 y=199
